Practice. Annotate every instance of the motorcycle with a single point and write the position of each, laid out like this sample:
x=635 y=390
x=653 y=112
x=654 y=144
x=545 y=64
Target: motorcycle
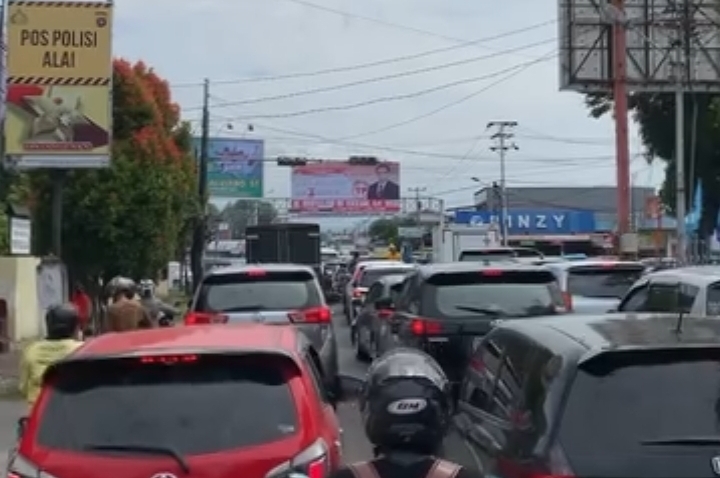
x=165 y=320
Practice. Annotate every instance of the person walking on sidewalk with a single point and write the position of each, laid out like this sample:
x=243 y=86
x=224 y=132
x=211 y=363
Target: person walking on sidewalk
x=62 y=325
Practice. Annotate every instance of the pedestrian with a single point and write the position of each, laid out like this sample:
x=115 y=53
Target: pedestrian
x=83 y=303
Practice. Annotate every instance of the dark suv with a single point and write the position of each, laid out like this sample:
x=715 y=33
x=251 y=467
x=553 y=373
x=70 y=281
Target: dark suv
x=275 y=294
x=595 y=396
x=443 y=308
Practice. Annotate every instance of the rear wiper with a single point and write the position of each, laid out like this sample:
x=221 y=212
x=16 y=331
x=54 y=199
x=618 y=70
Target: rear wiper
x=245 y=308
x=482 y=310
x=684 y=441
x=149 y=449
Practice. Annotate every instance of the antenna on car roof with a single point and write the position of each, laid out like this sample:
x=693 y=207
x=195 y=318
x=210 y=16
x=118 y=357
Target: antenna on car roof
x=679 y=309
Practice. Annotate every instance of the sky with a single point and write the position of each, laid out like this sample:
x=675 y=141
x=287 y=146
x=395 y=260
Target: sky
x=427 y=115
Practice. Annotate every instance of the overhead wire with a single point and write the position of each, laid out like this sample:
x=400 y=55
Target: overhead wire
x=372 y=64
x=376 y=79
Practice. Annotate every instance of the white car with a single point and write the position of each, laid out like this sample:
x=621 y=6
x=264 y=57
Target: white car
x=366 y=273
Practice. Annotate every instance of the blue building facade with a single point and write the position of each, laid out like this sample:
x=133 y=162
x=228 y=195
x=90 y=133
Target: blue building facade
x=535 y=222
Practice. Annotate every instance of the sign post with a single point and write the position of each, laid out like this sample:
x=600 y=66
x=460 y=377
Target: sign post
x=59 y=84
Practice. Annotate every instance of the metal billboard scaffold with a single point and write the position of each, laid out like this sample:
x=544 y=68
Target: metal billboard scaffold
x=641 y=46
x=655 y=31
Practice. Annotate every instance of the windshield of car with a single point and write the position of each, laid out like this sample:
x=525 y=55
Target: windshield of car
x=603 y=281
x=272 y=290
x=487 y=255
x=614 y=414
x=508 y=293
x=370 y=275
x=194 y=404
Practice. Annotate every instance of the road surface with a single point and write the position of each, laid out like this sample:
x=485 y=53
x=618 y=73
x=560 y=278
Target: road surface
x=355 y=444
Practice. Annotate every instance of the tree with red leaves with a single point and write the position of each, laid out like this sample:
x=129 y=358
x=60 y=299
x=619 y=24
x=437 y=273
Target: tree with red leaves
x=135 y=216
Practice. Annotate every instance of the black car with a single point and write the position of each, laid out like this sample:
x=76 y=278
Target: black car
x=595 y=396
x=373 y=315
x=443 y=308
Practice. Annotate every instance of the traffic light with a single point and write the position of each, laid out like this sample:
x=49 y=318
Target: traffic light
x=287 y=161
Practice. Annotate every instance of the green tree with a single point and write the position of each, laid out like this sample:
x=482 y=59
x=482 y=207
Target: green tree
x=135 y=216
x=242 y=213
x=655 y=116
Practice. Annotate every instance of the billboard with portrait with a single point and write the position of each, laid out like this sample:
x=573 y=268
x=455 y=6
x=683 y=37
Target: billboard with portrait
x=235 y=167
x=340 y=187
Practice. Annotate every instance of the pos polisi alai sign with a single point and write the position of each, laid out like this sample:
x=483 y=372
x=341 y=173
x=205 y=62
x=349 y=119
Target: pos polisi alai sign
x=59 y=76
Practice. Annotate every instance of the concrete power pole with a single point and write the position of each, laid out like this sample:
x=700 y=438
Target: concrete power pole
x=198 y=243
x=679 y=71
x=503 y=144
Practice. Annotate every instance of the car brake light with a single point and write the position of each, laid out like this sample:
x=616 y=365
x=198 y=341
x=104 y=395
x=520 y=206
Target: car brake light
x=491 y=272
x=312 y=462
x=313 y=315
x=256 y=272
x=204 y=318
x=357 y=293
x=20 y=467
x=425 y=327
x=567 y=301
x=317 y=468
x=168 y=359
x=385 y=313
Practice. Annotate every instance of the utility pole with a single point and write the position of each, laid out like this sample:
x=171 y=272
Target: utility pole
x=198 y=244
x=501 y=146
x=418 y=203
x=679 y=72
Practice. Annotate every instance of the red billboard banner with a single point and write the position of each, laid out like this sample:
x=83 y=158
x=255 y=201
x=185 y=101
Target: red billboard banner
x=339 y=187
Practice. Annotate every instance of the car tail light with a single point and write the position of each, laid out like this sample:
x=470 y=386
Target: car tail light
x=425 y=327
x=385 y=314
x=491 y=272
x=204 y=318
x=358 y=293
x=20 y=467
x=313 y=315
x=256 y=272
x=168 y=359
x=313 y=462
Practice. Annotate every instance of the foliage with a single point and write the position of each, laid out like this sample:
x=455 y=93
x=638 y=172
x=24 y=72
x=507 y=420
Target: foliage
x=135 y=216
x=655 y=116
x=242 y=213
x=387 y=229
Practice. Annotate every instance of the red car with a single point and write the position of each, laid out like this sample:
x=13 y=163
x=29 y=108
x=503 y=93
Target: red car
x=204 y=401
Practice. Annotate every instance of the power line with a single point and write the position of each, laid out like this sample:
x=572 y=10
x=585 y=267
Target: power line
x=376 y=79
x=373 y=64
x=382 y=99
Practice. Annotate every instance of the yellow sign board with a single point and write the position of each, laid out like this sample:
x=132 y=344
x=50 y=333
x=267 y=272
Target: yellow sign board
x=58 y=120
x=60 y=43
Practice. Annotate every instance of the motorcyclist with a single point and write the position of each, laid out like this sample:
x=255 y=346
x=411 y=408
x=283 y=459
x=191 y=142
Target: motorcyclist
x=62 y=323
x=405 y=406
x=156 y=308
x=393 y=253
x=125 y=313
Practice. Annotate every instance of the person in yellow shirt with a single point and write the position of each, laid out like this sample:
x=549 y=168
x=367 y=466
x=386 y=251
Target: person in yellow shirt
x=62 y=324
x=393 y=254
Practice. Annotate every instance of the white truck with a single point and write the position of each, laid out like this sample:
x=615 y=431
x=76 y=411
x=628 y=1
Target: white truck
x=464 y=242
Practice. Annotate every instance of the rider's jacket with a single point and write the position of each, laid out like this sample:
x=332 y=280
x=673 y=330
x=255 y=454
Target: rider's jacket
x=427 y=467
x=127 y=315
x=36 y=358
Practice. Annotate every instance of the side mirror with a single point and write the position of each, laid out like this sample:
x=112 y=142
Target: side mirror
x=21 y=426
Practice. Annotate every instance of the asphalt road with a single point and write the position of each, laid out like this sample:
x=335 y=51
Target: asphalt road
x=356 y=446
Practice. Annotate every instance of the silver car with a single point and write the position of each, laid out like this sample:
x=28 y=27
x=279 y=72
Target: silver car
x=692 y=290
x=275 y=294
x=593 y=285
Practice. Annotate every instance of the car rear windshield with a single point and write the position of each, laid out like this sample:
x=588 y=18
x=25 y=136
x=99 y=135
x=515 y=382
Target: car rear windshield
x=189 y=404
x=602 y=281
x=267 y=291
x=487 y=255
x=614 y=412
x=510 y=293
x=369 y=276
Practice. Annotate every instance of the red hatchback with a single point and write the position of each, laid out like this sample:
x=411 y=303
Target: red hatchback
x=195 y=402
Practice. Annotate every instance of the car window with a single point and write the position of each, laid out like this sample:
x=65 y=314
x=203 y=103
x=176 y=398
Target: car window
x=655 y=397
x=512 y=293
x=191 y=404
x=636 y=300
x=670 y=298
x=603 y=281
x=713 y=299
x=480 y=377
x=372 y=274
x=507 y=392
x=270 y=291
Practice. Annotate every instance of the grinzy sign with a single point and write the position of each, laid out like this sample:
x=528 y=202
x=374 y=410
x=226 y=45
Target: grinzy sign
x=527 y=221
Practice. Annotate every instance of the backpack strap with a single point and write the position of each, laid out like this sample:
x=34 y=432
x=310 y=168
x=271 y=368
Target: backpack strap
x=443 y=469
x=363 y=469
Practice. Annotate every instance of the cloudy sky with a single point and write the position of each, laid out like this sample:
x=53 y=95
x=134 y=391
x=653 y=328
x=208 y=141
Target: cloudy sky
x=419 y=111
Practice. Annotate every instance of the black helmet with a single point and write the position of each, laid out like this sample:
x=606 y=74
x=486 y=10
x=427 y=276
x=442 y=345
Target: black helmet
x=61 y=321
x=405 y=403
